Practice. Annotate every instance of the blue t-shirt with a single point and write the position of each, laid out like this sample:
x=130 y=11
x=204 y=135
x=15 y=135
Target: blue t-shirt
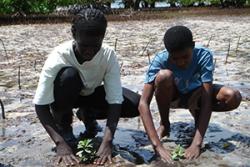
x=199 y=71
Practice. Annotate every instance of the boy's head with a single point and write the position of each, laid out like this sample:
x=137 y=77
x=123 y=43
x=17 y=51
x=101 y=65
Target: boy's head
x=88 y=30
x=179 y=43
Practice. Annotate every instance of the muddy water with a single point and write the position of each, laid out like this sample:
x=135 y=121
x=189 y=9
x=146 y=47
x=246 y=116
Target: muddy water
x=23 y=141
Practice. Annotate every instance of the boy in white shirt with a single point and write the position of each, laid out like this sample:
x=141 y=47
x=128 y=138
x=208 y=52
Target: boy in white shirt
x=72 y=77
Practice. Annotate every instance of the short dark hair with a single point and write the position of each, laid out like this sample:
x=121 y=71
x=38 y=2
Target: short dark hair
x=178 y=38
x=91 y=20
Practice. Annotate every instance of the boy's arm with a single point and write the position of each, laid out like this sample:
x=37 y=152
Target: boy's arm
x=144 y=109
x=114 y=96
x=114 y=113
x=64 y=152
x=45 y=117
x=105 y=150
x=204 y=116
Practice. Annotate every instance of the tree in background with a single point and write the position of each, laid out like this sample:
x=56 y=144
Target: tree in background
x=172 y=3
x=135 y=4
x=23 y=7
x=227 y=3
x=149 y=3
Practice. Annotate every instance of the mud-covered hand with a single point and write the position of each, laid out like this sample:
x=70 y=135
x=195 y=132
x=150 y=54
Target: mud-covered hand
x=104 y=153
x=164 y=153
x=192 y=152
x=105 y=150
x=65 y=155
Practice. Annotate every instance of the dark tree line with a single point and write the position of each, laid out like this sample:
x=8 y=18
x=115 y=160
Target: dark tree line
x=48 y=6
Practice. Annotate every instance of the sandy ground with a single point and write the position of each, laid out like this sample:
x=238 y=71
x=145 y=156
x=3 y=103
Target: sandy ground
x=24 y=142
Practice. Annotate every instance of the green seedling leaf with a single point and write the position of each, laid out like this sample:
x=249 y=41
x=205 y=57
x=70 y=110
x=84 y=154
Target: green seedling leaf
x=79 y=146
x=226 y=145
x=174 y=156
x=86 y=152
x=181 y=151
x=79 y=153
x=178 y=153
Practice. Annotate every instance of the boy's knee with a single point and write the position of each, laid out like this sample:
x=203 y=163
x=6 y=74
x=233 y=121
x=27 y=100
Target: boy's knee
x=164 y=77
x=68 y=80
x=69 y=74
x=235 y=98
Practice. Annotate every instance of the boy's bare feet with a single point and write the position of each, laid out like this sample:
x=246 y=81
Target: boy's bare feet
x=92 y=128
x=163 y=131
x=91 y=125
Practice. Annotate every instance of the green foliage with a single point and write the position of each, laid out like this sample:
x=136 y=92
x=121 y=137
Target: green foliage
x=6 y=7
x=215 y=2
x=223 y=3
x=40 y=6
x=86 y=152
x=178 y=153
x=187 y=2
x=27 y=6
x=48 y=6
x=226 y=3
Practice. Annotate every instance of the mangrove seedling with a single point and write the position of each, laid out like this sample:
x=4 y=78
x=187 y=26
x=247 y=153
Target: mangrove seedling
x=87 y=152
x=178 y=153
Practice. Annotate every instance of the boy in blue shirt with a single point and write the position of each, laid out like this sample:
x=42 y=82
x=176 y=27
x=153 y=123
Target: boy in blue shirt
x=182 y=77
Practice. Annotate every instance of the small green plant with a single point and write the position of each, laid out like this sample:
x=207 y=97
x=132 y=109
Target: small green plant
x=87 y=152
x=178 y=153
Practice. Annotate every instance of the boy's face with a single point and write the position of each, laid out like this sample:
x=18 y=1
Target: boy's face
x=181 y=58
x=87 y=46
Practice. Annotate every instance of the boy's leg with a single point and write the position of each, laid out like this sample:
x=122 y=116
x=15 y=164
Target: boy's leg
x=130 y=104
x=224 y=99
x=194 y=104
x=86 y=115
x=165 y=93
x=67 y=86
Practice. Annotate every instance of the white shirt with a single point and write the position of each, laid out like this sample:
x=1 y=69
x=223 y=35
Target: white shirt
x=103 y=67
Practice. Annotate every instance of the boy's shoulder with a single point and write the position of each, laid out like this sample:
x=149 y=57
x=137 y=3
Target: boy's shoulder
x=107 y=52
x=162 y=55
x=202 y=50
x=62 y=49
x=107 y=49
x=66 y=45
x=204 y=57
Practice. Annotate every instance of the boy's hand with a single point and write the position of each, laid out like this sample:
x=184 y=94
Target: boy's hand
x=164 y=153
x=104 y=153
x=65 y=155
x=192 y=152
